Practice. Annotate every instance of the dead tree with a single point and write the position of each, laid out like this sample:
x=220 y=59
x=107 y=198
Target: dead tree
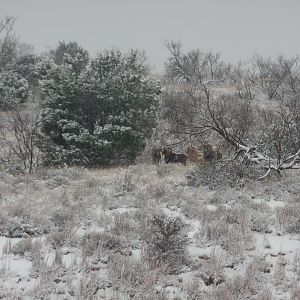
x=234 y=119
x=18 y=139
x=8 y=41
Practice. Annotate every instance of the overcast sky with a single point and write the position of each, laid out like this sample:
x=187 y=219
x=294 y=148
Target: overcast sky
x=236 y=28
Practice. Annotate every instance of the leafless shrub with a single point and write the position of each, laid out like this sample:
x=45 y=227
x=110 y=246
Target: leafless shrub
x=213 y=233
x=288 y=218
x=279 y=133
x=128 y=185
x=18 y=139
x=191 y=208
x=133 y=277
x=228 y=228
x=223 y=174
x=71 y=173
x=89 y=286
x=260 y=223
x=163 y=169
x=295 y=291
x=244 y=82
x=210 y=112
x=194 y=289
x=266 y=242
x=143 y=218
x=25 y=245
x=296 y=263
x=123 y=225
x=279 y=271
x=61 y=218
x=8 y=41
x=58 y=239
x=276 y=76
x=266 y=294
x=37 y=258
x=93 y=242
x=241 y=286
x=237 y=241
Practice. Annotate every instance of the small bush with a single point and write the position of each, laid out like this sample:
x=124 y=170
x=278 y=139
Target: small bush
x=295 y=291
x=223 y=174
x=166 y=245
x=95 y=241
x=288 y=218
x=213 y=272
x=62 y=238
x=163 y=170
x=260 y=223
x=242 y=286
x=25 y=245
x=133 y=277
x=123 y=225
x=61 y=218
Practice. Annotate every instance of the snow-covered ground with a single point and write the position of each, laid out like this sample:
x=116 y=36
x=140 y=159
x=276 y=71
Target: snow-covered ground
x=79 y=234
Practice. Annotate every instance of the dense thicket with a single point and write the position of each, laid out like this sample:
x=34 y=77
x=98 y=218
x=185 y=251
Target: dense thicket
x=254 y=108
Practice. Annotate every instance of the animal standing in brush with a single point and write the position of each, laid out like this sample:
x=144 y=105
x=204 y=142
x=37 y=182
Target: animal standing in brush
x=156 y=155
x=211 y=152
x=194 y=155
x=171 y=157
x=206 y=152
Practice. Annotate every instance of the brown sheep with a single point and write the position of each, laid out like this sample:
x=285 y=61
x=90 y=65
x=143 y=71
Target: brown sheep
x=206 y=152
x=211 y=152
x=171 y=157
x=194 y=155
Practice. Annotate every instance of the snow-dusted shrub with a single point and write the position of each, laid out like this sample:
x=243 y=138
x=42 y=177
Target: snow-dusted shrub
x=265 y=294
x=296 y=263
x=228 y=228
x=123 y=225
x=61 y=218
x=163 y=169
x=236 y=241
x=57 y=181
x=279 y=273
x=128 y=184
x=26 y=245
x=288 y=218
x=131 y=276
x=95 y=242
x=212 y=271
x=213 y=233
x=242 y=286
x=88 y=286
x=260 y=223
x=191 y=208
x=223 y=174
x=295 y=291
x=65 y=237
x=16 y=228
x=97 y=115
x=167 y=243
x=72 y=173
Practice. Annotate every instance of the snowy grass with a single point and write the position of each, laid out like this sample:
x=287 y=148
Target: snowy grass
x=143 y=232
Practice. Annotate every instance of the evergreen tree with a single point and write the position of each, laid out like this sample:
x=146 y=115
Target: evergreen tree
x=13 y=89
x=100 y=114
